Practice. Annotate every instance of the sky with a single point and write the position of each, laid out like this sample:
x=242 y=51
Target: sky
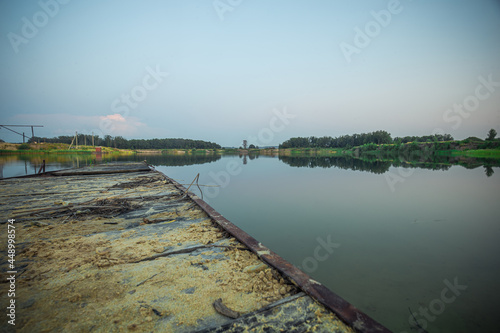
x=229 y=70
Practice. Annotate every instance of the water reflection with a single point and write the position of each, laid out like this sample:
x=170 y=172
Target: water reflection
x=28 y=164
x=173 y=160
x=25 y=164
x=379 y=166
x=340 y=162
x=488 y=170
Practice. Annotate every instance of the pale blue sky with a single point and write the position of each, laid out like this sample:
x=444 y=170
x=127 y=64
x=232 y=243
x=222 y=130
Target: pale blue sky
x=226 y=76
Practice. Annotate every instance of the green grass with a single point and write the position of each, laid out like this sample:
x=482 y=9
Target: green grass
x=315 y=151
x=63 y=151
x=489 y=153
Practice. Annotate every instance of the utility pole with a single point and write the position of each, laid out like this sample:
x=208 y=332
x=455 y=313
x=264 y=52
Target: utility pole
x=76 y=136
x=23 y=138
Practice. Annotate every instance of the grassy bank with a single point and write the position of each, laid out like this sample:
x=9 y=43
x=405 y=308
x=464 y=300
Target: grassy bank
x=433 y=152
x=54 y=148
x=479 y=153
x=315 y=151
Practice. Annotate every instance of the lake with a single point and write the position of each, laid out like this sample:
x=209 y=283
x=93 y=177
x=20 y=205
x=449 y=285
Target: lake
x=387 y=239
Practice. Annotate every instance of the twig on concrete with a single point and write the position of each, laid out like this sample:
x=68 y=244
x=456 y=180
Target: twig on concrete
x=149 y=278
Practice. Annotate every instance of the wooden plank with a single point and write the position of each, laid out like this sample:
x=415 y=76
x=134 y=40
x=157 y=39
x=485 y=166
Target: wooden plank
x=101 y=169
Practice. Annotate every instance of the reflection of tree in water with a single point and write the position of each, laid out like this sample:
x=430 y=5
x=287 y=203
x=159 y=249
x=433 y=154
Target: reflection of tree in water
x=253 y=156
x=378 y=167
x=488 y=170
x=247 y=157
x=343 y=162
x=422 y=165
x=173 y=160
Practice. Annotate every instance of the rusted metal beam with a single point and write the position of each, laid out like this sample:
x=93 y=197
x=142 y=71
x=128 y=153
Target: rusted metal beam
x=343 y=309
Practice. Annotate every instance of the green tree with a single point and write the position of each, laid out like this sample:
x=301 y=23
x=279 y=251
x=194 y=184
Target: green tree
x=491 y=134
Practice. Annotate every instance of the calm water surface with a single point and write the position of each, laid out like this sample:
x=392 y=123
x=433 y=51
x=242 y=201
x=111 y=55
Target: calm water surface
x=405 y=238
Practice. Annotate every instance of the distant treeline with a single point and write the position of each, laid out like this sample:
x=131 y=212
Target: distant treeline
x=122 y=143
x=349 y=141
x=425 y=138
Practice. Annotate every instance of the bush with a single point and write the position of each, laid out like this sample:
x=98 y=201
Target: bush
x=414 y=146
x=369 y=146
x=23 y=146
x=488 y=145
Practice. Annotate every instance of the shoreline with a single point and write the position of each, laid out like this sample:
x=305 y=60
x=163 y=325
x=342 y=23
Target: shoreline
x=460 y=149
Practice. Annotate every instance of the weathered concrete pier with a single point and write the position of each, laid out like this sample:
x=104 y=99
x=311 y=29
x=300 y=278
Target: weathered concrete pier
x=121 y=247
